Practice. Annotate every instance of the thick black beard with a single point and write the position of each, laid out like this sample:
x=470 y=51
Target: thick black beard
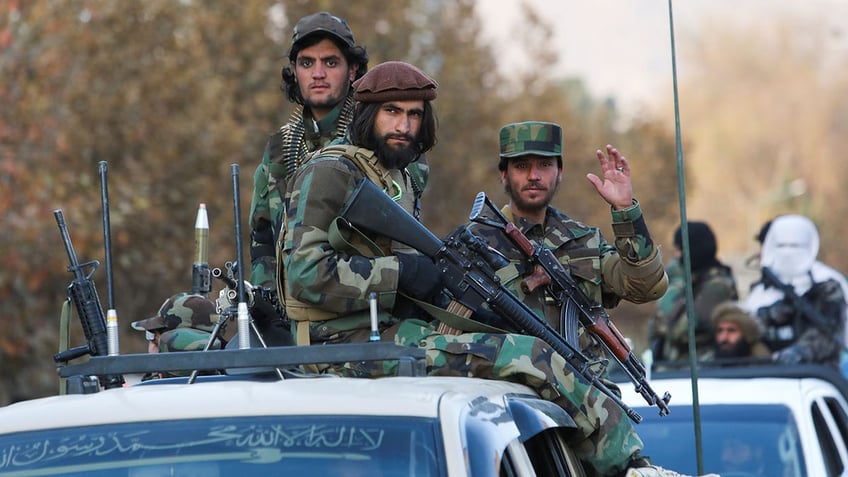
x=393 y=158
x=740 y=350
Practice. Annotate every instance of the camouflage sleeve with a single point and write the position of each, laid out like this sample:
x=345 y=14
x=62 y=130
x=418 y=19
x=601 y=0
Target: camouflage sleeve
x=263 y=262
x=315 y=272
x=636 y=272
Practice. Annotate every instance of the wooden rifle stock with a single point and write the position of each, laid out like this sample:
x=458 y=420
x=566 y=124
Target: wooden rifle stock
x=593 y=318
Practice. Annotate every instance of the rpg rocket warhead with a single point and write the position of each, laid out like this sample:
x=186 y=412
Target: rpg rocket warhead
x=201 y=278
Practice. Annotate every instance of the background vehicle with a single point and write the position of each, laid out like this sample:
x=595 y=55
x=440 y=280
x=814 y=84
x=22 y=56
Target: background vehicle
x=763 y=421
x=257 y=424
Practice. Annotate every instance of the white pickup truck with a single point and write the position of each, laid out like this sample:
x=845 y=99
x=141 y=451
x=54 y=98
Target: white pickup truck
x=755 y=421
x=250 y=422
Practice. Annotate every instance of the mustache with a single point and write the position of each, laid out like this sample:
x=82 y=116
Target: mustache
x=405 y=137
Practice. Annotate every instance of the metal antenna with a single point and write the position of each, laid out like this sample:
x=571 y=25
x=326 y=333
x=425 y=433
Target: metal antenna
x=111 y=313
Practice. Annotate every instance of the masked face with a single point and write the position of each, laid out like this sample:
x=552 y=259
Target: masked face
x=790 y=247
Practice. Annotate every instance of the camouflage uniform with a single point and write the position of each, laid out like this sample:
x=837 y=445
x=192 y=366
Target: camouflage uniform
x=185 y=323
x=712 y=283
x=284 y=152
x=315 y=275
x=709 y=288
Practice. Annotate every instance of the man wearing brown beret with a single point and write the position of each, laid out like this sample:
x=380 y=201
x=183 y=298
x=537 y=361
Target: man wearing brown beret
x=326 y=289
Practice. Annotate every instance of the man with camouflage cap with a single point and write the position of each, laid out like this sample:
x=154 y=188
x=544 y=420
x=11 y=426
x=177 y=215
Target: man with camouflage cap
x=631 y=268
x=324 y=60
x=184 y=322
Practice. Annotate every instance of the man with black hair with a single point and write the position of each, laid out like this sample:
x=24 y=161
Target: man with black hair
x=324 y=61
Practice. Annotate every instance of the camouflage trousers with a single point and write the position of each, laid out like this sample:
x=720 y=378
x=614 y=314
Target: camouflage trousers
x=607 y=441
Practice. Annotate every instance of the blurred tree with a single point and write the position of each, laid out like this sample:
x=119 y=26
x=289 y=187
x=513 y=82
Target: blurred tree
x=172 y=93
x=765 y=107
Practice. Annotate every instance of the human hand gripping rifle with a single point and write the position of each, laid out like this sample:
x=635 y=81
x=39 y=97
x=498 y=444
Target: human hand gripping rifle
x=83 y=294
x=469 y=282
x=575 y=305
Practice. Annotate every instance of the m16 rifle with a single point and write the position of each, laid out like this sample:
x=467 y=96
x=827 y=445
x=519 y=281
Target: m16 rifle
x=83 y=294
x=469 y=282
x=576 y=307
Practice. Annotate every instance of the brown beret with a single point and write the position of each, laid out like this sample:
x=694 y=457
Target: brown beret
x=394 y=81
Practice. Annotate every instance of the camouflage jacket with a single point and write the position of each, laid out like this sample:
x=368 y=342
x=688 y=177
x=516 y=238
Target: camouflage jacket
x=284 y=152
x=320 y=281
x=631 y=269
x=798 y=338
x=670 y=326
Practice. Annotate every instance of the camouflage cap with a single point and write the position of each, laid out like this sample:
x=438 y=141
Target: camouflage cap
x=182 y=310
x=185 y=339
x=531 y=137
x=323 y=22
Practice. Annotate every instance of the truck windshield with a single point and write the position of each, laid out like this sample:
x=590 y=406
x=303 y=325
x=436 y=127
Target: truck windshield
x=744 y=440
x=350 y=446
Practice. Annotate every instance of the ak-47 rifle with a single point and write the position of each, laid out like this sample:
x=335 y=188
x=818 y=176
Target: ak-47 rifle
x=576 y=307
x=83 y=294
x=469 y=282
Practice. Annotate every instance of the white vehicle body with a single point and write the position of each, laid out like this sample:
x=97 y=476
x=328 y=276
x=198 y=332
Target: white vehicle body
x=793 y=421
x=257 y=424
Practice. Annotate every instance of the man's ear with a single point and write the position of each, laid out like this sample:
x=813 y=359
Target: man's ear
x=503 y=177
x=351 y=75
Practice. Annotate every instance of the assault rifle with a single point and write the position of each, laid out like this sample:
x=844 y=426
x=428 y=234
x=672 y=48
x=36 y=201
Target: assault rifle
x=576 y=307
x=83 y=294
x=803 y=307
x=469 y=282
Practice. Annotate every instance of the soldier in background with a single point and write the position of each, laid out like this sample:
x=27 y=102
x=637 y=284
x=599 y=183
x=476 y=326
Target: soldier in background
x=712 y=283
x=737 y=334
x=808 y=333
x=184 y=322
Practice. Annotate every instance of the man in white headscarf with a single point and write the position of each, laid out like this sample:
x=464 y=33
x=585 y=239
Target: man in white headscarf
x=810 y=328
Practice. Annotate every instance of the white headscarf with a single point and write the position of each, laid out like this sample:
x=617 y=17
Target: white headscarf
x=790 y=249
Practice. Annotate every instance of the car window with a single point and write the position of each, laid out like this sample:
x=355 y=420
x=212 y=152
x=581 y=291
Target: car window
x=549 y=454
x=347 y=446
x=828 y=446
x=750 y=440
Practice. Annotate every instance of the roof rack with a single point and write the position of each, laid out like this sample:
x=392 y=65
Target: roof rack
x=411 y=361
